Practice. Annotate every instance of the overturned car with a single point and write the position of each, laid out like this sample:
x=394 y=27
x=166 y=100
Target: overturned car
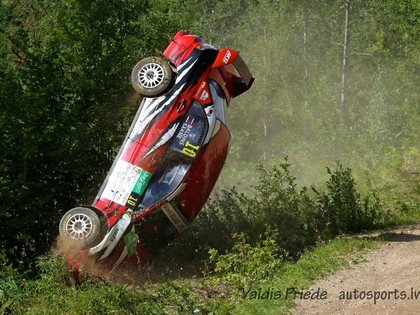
x=171 y=157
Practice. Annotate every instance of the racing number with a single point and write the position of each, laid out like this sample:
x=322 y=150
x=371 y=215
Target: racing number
x=132 y=201
x=190 y=149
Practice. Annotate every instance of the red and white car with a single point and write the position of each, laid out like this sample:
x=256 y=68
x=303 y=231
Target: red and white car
x=171 y=157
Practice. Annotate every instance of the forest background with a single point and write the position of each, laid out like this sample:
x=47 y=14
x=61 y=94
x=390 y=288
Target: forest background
x=335 y=81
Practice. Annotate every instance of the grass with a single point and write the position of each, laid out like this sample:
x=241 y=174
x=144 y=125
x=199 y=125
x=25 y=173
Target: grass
x=255 y=272
x=51 y=295
x=316 y=264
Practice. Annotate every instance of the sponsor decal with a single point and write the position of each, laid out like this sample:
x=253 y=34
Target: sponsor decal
x=191 y=131
x=204 y=95
x=111 y=240
x=185 y=130
x=209 y=111
x=114 y=235
x=142 y=182
x=227 y=56
x=138 y=189
x=124 y=180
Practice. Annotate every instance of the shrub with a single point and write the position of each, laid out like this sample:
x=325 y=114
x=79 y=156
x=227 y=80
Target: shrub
x=12 y=286
x=300 y=218
x=287 y=208
x=343 y=209
x=231 y=225
x=245 y=265
x=276 y=202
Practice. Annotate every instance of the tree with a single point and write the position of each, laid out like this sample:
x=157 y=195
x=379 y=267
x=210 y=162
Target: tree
x=64 y=82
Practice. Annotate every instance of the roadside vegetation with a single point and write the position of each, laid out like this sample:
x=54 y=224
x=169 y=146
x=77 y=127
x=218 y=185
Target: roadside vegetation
x=324 y=146
x=280 y=238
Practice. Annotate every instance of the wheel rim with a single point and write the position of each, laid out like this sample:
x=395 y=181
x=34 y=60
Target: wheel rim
x=151 y=75
x=79 y=226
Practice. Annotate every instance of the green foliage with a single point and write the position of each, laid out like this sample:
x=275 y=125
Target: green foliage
x=342 y=208
x=294 y=221
x=287 y=207
x=313 y=266
x=301 y=217
x=295 y=52
x=65 y=105
x=11 y=286
x=51 y=293
x=246 y=265
x=64 y=91
x=176 y=298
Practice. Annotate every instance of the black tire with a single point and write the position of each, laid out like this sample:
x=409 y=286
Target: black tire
x=82 y=227
x=152 y=77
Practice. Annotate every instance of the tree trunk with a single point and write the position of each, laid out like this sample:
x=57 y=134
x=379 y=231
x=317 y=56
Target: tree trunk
x=306 y=62
x=345 y=58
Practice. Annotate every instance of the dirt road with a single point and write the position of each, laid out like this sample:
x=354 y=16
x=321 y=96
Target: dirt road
x=387 y=283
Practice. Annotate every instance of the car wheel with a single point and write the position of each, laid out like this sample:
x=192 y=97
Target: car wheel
x=152 y=76
x=82 y=227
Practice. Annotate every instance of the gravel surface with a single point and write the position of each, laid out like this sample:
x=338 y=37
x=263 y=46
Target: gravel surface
x=387 y=282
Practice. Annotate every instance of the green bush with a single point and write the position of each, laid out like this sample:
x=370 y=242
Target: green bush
x=12 y=286
x=301 y=217
x=249 y=235
x=246 y=265
x=287 y=208
x=276 y=201
x=176 y=298
x=343 y=209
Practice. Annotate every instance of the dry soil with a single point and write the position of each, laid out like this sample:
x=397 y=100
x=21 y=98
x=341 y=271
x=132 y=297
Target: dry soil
x=387 y=282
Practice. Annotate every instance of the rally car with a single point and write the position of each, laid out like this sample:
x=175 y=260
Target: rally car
x=171 y=157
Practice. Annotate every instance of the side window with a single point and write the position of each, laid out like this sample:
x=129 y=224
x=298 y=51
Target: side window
x=219 y=100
